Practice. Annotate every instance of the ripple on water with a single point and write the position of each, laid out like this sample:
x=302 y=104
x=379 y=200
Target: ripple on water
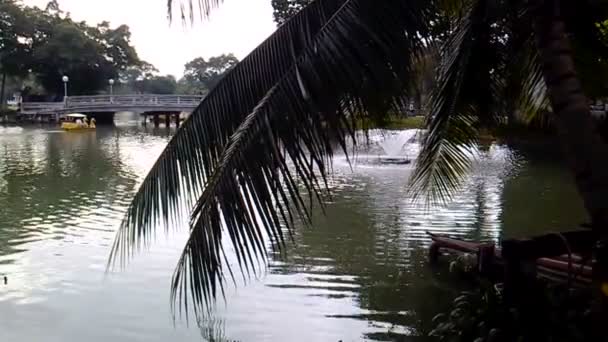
x=358 y=272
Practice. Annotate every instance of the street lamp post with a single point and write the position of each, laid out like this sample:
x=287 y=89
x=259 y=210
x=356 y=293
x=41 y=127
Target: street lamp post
x=65 y=80
x=111 y=83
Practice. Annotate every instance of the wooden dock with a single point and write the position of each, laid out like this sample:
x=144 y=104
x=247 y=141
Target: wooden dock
x=487 y=259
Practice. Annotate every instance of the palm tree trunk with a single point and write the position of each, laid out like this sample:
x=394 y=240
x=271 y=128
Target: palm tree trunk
x=585 y=150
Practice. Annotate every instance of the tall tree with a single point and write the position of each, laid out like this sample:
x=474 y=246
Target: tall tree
x=68 y=51
x=89 y=55
x=203 y=75
x=116 y=45
x=285 y=9
x=136 y=72
x=15 y=50
x=155 y=84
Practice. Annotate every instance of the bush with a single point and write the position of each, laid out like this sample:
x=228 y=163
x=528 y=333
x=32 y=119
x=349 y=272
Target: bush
x=484 y=316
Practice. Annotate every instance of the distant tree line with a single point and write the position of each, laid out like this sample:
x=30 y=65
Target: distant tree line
x=39 y=46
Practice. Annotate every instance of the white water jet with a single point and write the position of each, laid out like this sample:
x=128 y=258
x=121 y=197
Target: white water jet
x=389 y=148
x=394 y=145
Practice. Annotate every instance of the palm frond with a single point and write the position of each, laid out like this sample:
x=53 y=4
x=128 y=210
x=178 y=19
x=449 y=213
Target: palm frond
x=189 y=8
x=462 y=100
x=525 y=92
x=256 y=152
x=525 y=75
x=531 y=97
x=586 y=21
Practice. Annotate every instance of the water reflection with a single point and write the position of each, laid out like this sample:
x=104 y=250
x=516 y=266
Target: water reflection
x=359 y=272
x=540 y=196
x=369 y=250
x=58 y=185
x=61 y=190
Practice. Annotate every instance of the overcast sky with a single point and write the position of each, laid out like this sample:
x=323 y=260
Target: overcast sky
x=238 y=26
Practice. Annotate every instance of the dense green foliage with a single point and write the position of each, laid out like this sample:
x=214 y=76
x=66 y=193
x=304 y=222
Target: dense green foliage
x=39 y=46
x=13 y=51
x=48 y=44
x=285 y=9
x=201 y=75
x=483 y=315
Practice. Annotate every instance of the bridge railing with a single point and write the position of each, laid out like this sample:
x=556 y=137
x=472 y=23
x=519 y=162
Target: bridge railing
x=132 y=100
x=41 y=106
x=147 y=100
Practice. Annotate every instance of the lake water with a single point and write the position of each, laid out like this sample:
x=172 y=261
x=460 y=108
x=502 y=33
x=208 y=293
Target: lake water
x=359 y=273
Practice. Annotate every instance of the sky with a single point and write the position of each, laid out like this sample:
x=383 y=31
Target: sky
x=237 y=26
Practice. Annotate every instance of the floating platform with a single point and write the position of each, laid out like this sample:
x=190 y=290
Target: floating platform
x=487 y=259
x=394 y=160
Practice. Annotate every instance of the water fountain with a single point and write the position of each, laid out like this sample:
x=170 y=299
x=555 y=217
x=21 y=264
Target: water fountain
x=394 y=146
x=387 y=148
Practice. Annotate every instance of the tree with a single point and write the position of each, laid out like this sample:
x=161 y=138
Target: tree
x=48 y=44
x=137 y=72
x=68 y=51
x=202 y=75
x=54 y=45
x=116 y=45
x=285 y=9
x=158 y=85
x=14 y=48
x=268 y=130
x=144 y=79
x=187 y=87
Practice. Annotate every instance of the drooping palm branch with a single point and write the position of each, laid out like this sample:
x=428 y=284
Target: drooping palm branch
x=471 y=93
x=490 y=71
x=451 y=126
x=258 y=148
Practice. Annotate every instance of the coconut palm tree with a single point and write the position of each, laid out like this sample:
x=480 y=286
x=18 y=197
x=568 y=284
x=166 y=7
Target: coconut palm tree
x=257 y=151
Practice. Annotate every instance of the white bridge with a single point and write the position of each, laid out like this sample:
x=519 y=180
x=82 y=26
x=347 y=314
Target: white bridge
x=143 y=103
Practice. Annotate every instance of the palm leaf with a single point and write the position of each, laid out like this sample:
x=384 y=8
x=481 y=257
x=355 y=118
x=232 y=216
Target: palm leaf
x=531 y=97
x=255 y=153
x=188 y=8
x=526 y=86
x=525 y=92
x=490 y=70
x=462 y=99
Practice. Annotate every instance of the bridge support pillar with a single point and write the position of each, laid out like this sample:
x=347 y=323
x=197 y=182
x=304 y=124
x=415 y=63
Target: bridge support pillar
x=177 y=120
x=168 y=120
x=103 y=118
x=156 y=120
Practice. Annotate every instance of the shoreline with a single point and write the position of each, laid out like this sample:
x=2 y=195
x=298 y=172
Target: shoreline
x=393 y=123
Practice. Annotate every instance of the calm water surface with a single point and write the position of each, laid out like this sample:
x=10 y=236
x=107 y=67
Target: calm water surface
x=359 y=274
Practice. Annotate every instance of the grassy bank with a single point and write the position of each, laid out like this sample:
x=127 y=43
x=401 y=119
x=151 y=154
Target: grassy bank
x=393 y=122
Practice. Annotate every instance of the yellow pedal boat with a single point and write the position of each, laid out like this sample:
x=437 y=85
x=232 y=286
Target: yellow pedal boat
x=77 y=122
